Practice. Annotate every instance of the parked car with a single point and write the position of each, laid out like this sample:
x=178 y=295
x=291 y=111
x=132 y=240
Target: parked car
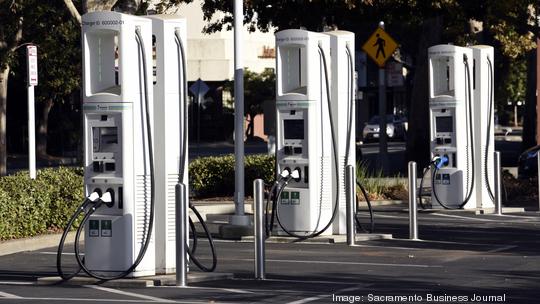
x=528 y=163
x=395 y=128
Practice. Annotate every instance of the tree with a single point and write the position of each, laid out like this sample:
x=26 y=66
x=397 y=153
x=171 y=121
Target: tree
x=258 y=88
x=417 y=25
x=10 y=38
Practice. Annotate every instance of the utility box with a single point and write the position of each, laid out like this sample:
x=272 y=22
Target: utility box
x=343 y=87
x=485 y=125
x=452 y=124
x=116 y=140
x=303 y=130
x=170 y=108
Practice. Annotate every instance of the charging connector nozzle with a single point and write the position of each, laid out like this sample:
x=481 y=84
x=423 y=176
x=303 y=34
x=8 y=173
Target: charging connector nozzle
x=94 y=196
x=106 y=199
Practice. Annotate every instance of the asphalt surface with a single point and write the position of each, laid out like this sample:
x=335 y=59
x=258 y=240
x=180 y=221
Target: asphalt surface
x=460 y=255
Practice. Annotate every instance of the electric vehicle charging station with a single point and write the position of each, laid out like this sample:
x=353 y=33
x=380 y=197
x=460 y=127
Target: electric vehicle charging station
x=303 y=131
x=170 y=109
x=343 y=105
x=452 y=123
x=117 y=98
x=485 y=125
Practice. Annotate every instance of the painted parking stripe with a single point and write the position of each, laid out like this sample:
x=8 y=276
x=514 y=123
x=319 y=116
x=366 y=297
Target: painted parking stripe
x=129 y=294
x=504 y=248
x=305 y=281
x=6 y=295
x=340 y=263
x=75 y=300
x=465 y=217
x=311 y=299
x=16 y=283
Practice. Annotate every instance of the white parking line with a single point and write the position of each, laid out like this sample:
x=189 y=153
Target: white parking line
x=6 y=295
x=465 y=217
x=231 y=290
x=502 y=248
x=16 y=283
x=305 y=281
x=130 y=294
x=75 y=300
x=311 y=299
x=340 y=263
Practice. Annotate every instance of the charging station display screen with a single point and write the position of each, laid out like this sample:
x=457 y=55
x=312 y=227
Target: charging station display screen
x=105 y=139
x=293 y=128
x=444 y=124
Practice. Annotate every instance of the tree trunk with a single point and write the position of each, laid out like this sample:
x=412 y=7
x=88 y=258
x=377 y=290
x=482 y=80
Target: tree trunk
x=529 y=113
x=43 y=122
x=418 y=133
x=4 y=75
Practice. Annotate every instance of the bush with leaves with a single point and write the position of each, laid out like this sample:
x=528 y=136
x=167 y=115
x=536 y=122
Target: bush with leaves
x=31 y=207
x=214 y=176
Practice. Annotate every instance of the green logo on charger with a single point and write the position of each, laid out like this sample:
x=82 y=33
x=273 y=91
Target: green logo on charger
x=94 y=228
x=106 y=228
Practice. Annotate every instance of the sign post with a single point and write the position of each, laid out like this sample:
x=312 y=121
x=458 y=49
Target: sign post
x=379 y=47
x=32 y=80
x=199 y=89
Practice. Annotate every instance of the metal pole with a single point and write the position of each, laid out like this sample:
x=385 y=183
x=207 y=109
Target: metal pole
x=181 y=235
x=413 y=222
x=350 y=187
x=199 y=122
x=239 y=217
x=383 y=144
x=497 y=180
x=31 y=133
x=258 y=223
x=538 y=170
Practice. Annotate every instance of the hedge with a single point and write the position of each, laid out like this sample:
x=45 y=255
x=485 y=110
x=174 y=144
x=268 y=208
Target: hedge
x=214 y=176
x=30 y=207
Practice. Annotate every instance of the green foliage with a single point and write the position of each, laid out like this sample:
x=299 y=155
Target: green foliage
x=30 y=207
x=375 y=184
x=258 y=88
x=214 y=176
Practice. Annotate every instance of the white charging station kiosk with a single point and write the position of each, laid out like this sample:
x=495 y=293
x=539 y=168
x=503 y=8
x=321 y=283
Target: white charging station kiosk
x=116 y=140
x=343 y=107
x=485 y=125
x=451 y=124
x=303 y=131
x=169 y=113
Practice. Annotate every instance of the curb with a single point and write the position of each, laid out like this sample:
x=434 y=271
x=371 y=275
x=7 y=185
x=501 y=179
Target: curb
x=33 y=243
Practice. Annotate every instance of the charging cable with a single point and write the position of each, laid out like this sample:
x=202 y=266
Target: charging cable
x=91 y=199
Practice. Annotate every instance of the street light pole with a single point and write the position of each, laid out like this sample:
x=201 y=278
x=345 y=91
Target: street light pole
x=239 y=218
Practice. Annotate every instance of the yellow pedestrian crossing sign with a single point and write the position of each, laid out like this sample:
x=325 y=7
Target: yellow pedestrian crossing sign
x=380 y=46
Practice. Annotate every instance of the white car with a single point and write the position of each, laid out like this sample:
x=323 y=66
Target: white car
x=394 y=128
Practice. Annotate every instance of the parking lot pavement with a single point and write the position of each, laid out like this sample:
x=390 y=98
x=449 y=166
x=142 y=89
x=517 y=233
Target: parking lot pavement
x=460 y=255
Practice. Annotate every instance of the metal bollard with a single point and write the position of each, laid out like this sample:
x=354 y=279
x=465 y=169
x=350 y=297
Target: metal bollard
x=538 y=170
x=350 y=192
x=181 y=235
x=413 y=222
x=497 y=180
x=258 y=228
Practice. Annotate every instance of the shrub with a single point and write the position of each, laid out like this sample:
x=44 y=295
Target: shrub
x=214 y=176
x=30 y=207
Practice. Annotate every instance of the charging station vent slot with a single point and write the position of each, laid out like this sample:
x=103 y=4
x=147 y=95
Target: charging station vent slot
x=293 y=67
x=101 y=64
x=442 y=78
